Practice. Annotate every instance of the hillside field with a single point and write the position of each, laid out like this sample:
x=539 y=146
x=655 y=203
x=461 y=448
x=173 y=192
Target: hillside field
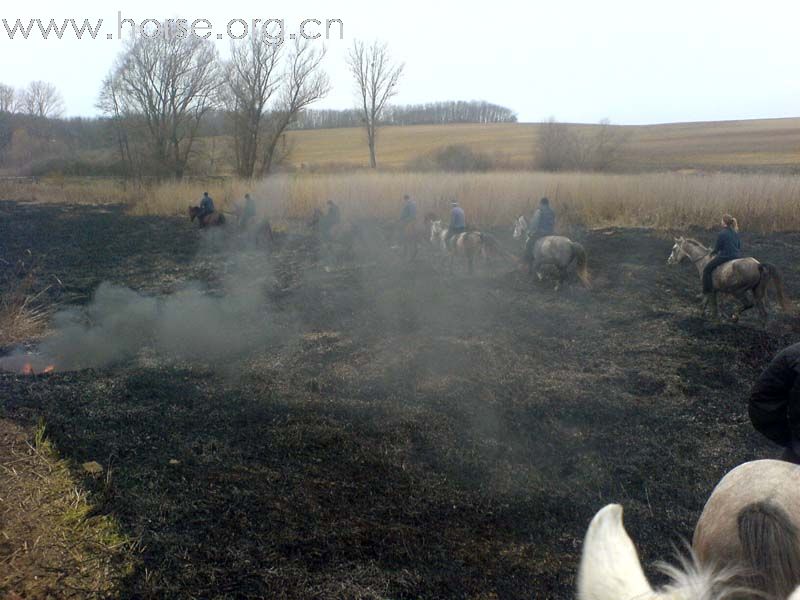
x=766 y=144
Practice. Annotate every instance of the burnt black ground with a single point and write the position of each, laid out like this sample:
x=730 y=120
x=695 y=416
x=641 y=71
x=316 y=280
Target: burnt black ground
x=419 y=434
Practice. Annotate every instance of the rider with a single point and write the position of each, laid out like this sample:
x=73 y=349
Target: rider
x=458 y=222
x=775 y=402
x=248 y=212
x=409 y=214
x=727 y=248
x=542 y=223
x=206 y=207
x=331 y=218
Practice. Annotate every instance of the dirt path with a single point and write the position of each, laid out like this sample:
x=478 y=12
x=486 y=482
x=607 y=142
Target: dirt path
x=416 y=434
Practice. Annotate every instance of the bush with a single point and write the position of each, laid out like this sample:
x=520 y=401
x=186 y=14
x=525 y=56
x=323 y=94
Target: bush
x=455 y=158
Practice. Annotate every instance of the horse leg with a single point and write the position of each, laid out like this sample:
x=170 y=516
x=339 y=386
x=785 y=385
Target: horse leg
x=562 y=274
x=747 y=304
x=714 y=306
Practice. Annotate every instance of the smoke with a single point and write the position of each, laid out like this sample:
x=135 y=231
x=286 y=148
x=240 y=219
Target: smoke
x=192 y=323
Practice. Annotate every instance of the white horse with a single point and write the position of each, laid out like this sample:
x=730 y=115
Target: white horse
x=746 y=544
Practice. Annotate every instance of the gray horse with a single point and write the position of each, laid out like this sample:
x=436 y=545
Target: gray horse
x=555 y=250
x=744 y=278
x=560 y=252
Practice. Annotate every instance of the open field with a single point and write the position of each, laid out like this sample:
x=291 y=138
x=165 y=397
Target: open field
x=762 y=202
x=388 y=430
x=766 y=144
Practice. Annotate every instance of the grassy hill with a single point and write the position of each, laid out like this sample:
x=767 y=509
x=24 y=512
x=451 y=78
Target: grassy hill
x=766 y=144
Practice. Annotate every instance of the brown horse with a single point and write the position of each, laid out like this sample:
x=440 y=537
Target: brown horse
x=468 y=244
x=746 y=544
x=215 y=219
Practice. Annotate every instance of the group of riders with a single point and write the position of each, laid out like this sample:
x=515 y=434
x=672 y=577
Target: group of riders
x=774 y=405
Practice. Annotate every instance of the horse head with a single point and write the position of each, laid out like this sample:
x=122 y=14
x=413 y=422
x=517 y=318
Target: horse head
x=193 y=212
x=436 y=230
x=610 y=568
x=678 y=252
x=520 y=227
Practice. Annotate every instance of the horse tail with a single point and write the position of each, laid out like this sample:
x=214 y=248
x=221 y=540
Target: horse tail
x=770 y=548
x=770 y=274
x=581 y=263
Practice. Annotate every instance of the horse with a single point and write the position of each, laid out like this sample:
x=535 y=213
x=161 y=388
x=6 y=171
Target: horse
x=554 y=250
x=215 y=219
x=343 y=233
x=746 y=544
x=468 y=244
x=741 y=278
x=411 y=233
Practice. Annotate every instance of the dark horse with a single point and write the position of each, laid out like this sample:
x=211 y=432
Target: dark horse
x=215 y=219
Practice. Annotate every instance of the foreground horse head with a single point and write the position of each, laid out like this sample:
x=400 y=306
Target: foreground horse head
x=746 y=544
x=611 y=570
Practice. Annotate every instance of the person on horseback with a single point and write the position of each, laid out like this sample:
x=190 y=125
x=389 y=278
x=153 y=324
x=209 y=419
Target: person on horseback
x=248 y=211
x=333 y=217
x=542 y=223
x=409 y=213
x=206 y=208
x=774 y=404
x=458 y=222
x=727 y=248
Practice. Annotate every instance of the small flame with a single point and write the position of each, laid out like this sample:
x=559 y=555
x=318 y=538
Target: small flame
x=49 y=369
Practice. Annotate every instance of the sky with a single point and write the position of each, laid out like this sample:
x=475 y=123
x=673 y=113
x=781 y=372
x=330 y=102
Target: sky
x=632 y=62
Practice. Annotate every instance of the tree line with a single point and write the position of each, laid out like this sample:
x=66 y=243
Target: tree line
x=431 y=113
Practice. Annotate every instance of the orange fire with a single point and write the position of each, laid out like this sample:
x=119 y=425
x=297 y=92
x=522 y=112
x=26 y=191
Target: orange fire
x=27 y=369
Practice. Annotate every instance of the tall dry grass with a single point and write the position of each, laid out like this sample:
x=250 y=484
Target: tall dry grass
x=762 y=202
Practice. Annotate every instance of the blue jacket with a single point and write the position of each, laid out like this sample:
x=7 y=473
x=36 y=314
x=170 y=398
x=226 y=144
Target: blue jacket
x=457 y=218
x=543 y=221
x=409 y=211
x=207 y=204
x=728 y=244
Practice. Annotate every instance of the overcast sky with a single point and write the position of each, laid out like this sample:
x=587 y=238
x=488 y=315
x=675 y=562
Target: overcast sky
x=632 y=61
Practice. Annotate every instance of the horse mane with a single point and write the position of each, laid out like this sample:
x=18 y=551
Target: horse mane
x=690 y=579
x=695 y=242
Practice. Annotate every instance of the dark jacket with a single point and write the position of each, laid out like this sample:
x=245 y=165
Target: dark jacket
x=775 y=400
x=543 y=222
x=728 y=244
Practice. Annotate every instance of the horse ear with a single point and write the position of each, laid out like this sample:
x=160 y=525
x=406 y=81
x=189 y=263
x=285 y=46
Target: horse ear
x=610 y=567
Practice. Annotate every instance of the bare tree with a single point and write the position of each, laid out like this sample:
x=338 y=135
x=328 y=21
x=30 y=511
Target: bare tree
x=556 y=146
x=110 y=104
x=251 y=80
x=608 y=145
x=376 y=78
x=169 y=82
x=41 y=99
x=560 y=146
x=8 y=98
x=304 y=82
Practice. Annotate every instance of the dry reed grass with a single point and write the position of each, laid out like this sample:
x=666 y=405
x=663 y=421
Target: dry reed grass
x=762 y=202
